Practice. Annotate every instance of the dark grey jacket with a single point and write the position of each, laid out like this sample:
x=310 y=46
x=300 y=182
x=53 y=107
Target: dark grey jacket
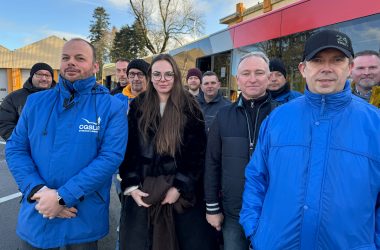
x=11 y=107
x=231 y=140
x=210 y=109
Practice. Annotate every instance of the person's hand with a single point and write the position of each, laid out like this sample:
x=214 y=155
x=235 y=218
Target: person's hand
x=68 y=213
x=47 y=203
x=215 y=220
x=137 y=195
x=172 y=195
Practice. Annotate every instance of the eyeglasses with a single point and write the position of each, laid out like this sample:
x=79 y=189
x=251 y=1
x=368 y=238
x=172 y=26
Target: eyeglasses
x=39 y=76
x=132 y=75
x=168 y=76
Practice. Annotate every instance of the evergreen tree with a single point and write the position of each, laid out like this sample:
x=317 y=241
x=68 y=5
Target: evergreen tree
x=100 y=36
x=128 y=43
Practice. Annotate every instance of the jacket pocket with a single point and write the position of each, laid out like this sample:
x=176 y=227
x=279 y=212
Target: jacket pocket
x=99 y=197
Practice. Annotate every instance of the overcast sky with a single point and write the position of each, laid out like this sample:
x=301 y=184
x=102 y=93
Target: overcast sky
x=23 y=22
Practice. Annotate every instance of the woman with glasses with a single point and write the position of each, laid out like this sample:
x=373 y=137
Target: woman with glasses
x=162 y=171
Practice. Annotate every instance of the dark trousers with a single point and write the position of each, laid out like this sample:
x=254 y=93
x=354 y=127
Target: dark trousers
x=82 y=246
x=233 y=235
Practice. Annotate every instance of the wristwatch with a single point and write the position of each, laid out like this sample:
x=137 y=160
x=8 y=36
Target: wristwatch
x=60 y=200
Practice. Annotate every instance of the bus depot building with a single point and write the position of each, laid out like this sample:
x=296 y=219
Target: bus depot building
x=15 y=64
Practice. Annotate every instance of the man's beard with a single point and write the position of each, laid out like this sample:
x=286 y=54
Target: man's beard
x=367 y=84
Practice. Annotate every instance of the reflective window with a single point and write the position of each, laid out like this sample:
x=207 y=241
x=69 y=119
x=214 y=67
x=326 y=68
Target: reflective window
x=364 y=33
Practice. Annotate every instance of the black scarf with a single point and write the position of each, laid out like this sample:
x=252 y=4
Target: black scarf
x=284 y=89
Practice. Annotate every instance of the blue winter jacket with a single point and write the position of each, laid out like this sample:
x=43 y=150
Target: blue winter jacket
x=72 y=146
x=287 y=96
x=314 y=179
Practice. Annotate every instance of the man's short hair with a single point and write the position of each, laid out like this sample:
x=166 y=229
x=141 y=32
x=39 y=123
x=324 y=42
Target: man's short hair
x=367 y=53
x=123 y=60
x=259 y=54
x=89 y=44
x=210 y=73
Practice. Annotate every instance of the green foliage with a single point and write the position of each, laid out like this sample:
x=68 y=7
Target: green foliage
x=99 y=25
x=128 y=43
x=100 y=36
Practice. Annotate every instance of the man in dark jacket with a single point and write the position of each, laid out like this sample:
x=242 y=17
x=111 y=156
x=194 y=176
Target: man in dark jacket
x=41 y=78
x=209 y=98
x=278 y=87
x=121 y=66
x=231 y=141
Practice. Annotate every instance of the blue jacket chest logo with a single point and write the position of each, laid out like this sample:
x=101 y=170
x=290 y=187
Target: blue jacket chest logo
x=90 y=127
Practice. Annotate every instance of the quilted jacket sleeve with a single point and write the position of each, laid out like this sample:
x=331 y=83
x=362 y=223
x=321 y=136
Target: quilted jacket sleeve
x=18 y=156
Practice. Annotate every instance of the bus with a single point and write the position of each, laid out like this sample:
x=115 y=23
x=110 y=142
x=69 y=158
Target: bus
x=281 y=33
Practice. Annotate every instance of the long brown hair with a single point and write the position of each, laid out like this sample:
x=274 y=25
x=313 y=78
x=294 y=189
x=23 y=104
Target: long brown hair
x=168 y=129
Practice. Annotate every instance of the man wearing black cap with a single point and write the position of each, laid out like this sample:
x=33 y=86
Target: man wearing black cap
x=41 y=78
x=314 y=180
x=278 y=86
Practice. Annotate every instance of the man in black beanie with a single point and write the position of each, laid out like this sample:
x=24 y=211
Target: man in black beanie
x=41 y=78
x=137 y=72
x=278 y=86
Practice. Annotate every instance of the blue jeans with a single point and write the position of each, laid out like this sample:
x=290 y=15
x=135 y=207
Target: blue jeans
x=233 y=235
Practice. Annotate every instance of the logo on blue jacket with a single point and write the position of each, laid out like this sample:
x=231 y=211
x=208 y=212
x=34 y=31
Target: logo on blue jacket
x=90 y=127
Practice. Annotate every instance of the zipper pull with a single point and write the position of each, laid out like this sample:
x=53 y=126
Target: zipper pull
x=250 y=149
x=252 y=104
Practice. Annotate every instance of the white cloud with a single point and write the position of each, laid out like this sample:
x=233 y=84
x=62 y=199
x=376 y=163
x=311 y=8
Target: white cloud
x=89 y=2
x=62 y=34
x=120 y=4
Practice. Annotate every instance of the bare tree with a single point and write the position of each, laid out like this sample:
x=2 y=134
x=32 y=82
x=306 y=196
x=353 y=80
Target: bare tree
x=166 y=23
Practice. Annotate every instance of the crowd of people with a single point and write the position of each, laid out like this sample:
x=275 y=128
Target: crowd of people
x=276 y=169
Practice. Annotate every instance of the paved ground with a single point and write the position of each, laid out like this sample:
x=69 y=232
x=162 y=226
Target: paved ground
x=9 y=211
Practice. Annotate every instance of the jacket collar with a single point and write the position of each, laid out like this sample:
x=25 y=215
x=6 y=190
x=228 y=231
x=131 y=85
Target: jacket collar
x=127 y=91
x=82 y=86
x=201 y=98
x=329 y=103
x=266 y=97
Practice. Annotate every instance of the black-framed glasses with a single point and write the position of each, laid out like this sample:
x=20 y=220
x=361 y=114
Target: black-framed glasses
x=132 y=75
x=39 y=75
x=168 y=75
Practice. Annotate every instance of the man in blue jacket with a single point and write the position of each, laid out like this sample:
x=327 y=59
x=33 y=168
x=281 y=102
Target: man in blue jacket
x=314 y=179
x=66 y=146
x=278 y=87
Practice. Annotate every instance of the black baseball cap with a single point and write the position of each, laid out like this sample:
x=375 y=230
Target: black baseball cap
x=326 y=39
